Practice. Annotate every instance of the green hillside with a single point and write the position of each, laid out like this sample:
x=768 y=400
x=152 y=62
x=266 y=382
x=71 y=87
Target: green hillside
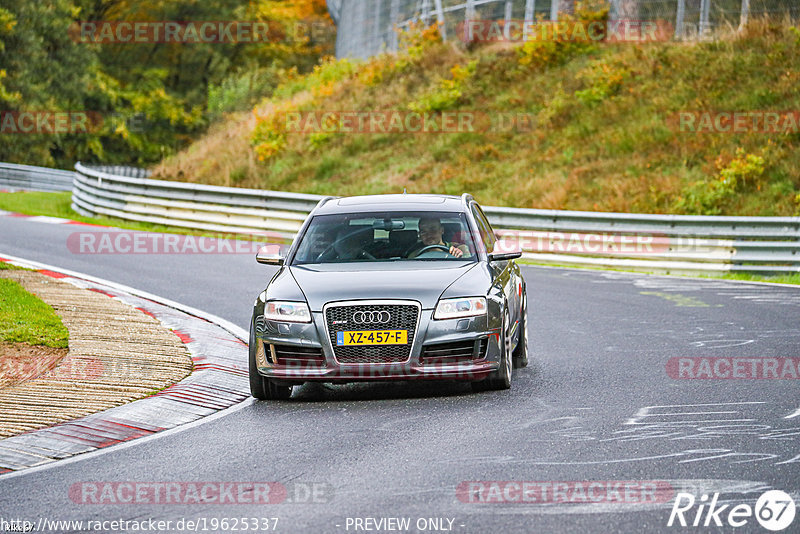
x=604 y=136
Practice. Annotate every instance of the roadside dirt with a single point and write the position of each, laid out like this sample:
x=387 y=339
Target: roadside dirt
x=117 y=354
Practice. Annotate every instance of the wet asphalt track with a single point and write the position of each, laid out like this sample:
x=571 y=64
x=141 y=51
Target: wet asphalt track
x=596 y=404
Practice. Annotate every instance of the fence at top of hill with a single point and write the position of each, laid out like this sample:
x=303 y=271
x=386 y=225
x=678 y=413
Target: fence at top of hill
x=367 y=28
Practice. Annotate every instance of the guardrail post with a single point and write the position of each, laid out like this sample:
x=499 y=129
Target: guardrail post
x=376 y=22
x=679 y=16
x=394 y=10
x=745 y=14
x=705 y=6
x=440 y=19
x=425 y=12
x=530 y=13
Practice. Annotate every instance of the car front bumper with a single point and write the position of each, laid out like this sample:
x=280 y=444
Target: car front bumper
x=312 y=338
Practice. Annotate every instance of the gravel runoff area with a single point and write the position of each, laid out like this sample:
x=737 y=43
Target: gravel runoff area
x=117 y=354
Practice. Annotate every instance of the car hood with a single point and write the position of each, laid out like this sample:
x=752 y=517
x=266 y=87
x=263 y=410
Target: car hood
x=322 y=283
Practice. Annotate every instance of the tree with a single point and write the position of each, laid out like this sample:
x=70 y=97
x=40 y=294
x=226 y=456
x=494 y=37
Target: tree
x=150 y=96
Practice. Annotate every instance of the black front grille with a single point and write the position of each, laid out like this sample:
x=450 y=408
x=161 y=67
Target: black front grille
x=340 y=319
x=298 y=356
x=456 y=352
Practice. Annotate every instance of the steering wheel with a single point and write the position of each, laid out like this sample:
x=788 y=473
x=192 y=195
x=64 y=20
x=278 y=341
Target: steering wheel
x=366 y=255
x=432 y=247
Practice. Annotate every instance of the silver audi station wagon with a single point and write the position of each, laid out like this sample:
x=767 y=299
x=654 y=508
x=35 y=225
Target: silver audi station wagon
x=390 y=287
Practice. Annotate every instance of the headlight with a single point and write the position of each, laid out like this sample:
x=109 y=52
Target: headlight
x=461 y=307
x=289 y=312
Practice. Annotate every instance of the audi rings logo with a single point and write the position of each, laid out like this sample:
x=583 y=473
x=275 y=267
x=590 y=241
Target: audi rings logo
x=364 y=317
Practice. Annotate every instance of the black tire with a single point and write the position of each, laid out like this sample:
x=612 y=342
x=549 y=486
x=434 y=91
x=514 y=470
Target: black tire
x=500 y=379
x=260 y=387
x=276 y=392
x=520 y=355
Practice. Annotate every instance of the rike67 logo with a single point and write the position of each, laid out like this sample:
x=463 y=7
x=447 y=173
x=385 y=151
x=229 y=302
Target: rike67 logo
x=774 y=511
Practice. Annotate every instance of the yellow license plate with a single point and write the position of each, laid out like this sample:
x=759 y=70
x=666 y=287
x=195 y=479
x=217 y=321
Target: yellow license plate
x=372 y=337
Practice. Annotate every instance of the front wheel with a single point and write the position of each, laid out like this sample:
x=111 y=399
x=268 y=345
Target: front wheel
x=275 y=391
x=260 y=387
x=501 y=378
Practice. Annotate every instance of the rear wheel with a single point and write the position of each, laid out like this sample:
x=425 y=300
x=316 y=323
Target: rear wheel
x=521 y=351
x=260 y=387
x=501 y=378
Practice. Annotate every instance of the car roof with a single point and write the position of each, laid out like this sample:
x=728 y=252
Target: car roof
x=402 y=202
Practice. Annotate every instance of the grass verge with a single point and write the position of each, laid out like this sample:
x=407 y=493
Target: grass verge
x=59 y=204
x=26 y=319
x=778 y=279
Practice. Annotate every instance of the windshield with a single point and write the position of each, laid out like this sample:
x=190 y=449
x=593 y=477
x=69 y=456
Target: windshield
x=386 y=236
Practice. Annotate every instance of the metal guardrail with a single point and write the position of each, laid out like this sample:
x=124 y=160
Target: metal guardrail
x=655 y=243
x=123 y=170
x=27 y=178
x=196 y=206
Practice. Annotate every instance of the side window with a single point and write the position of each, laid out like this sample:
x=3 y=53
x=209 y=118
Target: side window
x=485 y=229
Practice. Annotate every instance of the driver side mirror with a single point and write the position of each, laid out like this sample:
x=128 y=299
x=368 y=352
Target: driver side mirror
x=267 y=256
x=504 y=256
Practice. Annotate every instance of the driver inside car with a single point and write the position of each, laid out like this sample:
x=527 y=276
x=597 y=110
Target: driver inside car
x=431 y=233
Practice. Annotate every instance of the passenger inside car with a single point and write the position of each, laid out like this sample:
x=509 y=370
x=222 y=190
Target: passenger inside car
x=351 y=243
x=400 y=242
